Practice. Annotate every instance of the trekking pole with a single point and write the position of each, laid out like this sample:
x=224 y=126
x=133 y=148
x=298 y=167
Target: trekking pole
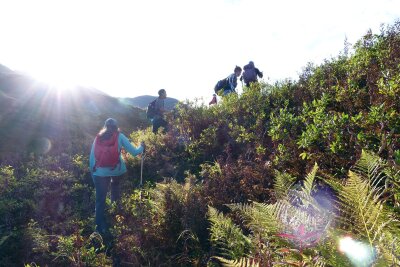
x=141 y=163
x=141 y=170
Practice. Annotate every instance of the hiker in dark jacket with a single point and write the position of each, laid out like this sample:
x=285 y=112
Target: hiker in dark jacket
x=159 y=117
x=250 y=74
x=232 y=81
x=107 y=165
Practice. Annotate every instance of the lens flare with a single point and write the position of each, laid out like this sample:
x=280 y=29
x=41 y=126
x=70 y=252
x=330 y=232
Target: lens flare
x=40 y=145
x=359 y=254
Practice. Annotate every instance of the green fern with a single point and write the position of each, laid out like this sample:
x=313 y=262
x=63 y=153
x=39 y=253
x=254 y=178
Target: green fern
x=371 y=167
x=305 y=197
x=369 y=164
x=308 y=185
x=378 y=171
x=260 y=218
x=295 y=220
x=268 y=219
x=363 y=208
x=283 y=182
x=250 y=262
x=242 y=262
x=227 y=237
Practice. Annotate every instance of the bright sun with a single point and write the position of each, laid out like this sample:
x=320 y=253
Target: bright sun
x=55 y=78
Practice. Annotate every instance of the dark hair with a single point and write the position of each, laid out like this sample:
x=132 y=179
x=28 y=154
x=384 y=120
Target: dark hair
x=161 y=91
x=107 y=132
x=237 y=68
x=110 y=127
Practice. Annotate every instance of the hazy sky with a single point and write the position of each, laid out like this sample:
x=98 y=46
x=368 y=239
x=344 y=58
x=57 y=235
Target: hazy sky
x=130 y=48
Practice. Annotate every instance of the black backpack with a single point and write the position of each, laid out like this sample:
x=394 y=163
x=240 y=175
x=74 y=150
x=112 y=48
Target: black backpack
x=151 y=109
x=222 y=84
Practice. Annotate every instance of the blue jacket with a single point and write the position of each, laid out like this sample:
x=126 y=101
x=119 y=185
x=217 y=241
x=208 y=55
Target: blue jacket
x=232 y=83
x=121 y=168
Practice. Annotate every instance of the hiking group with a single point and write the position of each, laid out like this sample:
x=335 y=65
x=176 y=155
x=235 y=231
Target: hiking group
x=106 y=163
x=228 y=85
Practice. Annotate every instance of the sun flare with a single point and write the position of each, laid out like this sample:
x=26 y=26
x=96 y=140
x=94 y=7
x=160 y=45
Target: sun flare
x=55 y=78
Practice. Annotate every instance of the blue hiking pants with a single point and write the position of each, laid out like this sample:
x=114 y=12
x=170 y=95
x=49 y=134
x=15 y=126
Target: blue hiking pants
x=102 y=184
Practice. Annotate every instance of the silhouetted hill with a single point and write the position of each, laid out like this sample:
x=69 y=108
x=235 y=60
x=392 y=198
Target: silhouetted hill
x=144 y=100
x=33 y=114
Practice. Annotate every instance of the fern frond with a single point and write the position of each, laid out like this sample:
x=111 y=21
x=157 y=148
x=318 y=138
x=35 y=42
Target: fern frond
x=243 y=262
x=378 y=171
x=371 y=167
x=335 y=183
x=226 y=236
x=308 y=185
x=244 y=209
x=365 y=213
x=261 y=218
x=391 y=248
x=320 y=262
x=283 y=183
x=361 y=203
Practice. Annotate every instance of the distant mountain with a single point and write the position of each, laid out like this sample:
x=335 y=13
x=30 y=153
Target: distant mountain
x=144 y=100
x=35 y=117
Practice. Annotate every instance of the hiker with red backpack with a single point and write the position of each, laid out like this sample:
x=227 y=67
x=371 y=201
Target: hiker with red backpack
x=107 y=165
x=250 y=74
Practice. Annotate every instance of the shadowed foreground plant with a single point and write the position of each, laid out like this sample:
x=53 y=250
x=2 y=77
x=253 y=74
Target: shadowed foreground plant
x=74 y=250
x=281 y=233
x=81 y=252
x=298 y=231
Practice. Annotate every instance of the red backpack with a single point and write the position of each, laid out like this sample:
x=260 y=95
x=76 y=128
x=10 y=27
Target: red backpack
x=106 y=152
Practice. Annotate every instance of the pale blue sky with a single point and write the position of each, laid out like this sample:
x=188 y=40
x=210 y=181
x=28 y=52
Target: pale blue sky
x=130 y=48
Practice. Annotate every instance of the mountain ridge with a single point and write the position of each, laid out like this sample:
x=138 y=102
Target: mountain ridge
x=143 y=101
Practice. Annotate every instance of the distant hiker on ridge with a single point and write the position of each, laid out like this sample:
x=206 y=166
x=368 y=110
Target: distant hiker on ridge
x=228 y=85
x=107 y=165
x=250 y=74
x=156 y=111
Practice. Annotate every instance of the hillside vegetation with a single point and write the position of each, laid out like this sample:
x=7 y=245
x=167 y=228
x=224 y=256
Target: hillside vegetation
x=281 y=175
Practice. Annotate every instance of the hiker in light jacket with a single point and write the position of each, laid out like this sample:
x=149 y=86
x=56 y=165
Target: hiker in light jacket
x=232 y=81
x=105 y=173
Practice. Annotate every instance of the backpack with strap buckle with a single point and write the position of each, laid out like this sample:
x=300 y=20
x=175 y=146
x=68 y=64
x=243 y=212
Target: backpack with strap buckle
x=106 y=152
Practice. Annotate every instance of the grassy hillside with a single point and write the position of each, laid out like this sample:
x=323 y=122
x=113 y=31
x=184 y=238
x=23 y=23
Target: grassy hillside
x=284 y=174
